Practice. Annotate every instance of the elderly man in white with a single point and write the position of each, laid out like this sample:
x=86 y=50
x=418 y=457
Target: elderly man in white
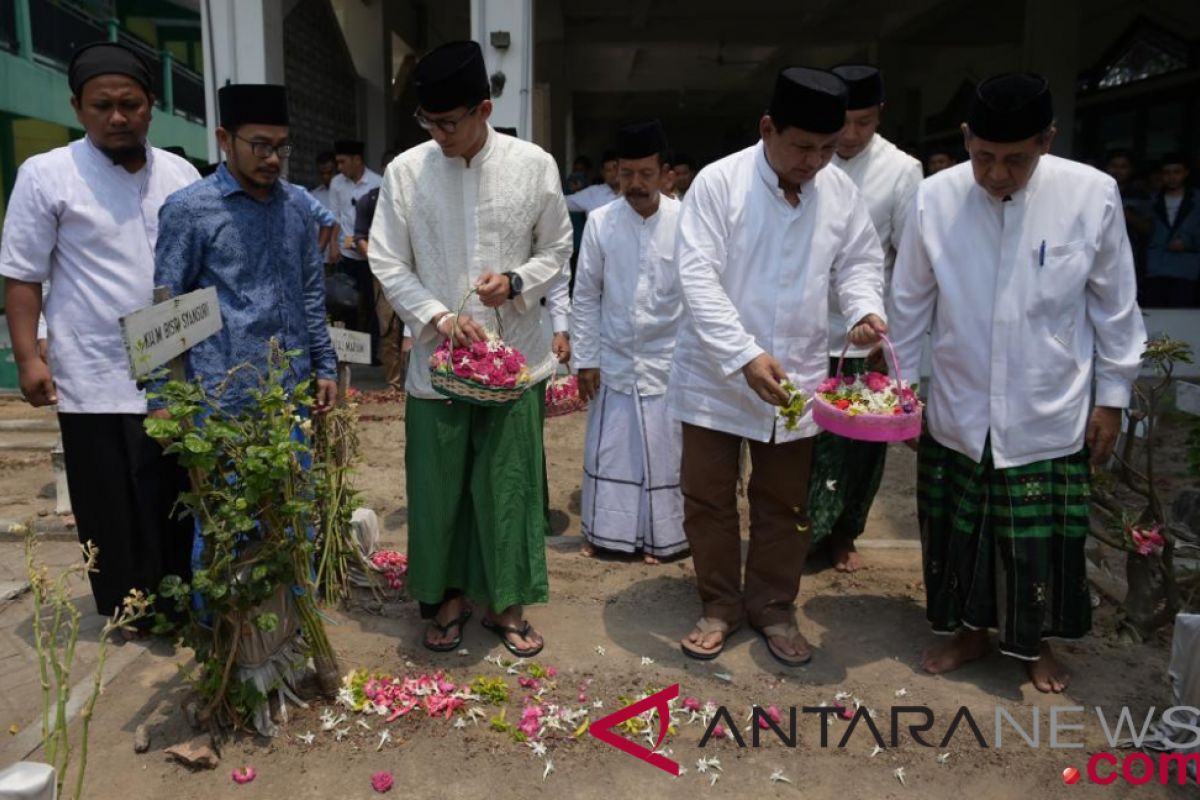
x=1020 y=265
x=626 y=317
x=762 y=234
x=479 y=214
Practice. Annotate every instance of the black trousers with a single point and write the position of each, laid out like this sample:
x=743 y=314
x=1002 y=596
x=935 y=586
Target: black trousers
x=123 y=490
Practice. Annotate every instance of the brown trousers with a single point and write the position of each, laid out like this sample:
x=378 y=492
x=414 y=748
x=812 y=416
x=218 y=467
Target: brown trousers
x=391 y=337
x=779 y=526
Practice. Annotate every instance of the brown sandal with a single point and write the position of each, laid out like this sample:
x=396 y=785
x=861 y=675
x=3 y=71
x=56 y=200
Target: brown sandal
x=708 y=625
x=789 y=631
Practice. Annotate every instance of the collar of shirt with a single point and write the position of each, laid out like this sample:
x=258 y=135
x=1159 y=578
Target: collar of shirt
x=485 y=152
x=229 y=185
x=862 y=157
x=771 y=178
x=103 y=160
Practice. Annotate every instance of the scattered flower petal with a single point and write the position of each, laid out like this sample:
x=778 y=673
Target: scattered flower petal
x=307 y=737
x=385 y=736
x=831 y=485
x=244 y=775
x=724 y=676
x=876 y=751
x=549 y=768
x=382 y=782
x=778 y=777
x=647 y=661
x=902 y=693
x=899 y=773
x=943 y=758
x=600 y=650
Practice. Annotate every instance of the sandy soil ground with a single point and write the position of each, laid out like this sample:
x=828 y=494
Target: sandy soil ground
x=869 y=630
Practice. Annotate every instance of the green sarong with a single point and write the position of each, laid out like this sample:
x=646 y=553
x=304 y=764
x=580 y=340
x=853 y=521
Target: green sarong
x=476 y=514
x=845 y=477
x=1004 y=548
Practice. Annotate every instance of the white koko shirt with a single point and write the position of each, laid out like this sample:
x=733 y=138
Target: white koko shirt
x=90 y=227
x=589 y=198
x=441 y=223
x=628 y=305
x=887 y=178
x=1029 y=300
x=755 y=274
x=343 y=194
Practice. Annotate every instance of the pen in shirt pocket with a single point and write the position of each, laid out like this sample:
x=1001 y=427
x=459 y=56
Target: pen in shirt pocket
x=1042 y=255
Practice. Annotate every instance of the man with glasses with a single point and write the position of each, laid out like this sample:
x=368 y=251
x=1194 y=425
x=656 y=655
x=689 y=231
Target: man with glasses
x=352 y=182
x=472 y=214
x=252 y=235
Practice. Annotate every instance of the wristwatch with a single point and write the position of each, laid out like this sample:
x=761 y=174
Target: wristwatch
x=515 y=284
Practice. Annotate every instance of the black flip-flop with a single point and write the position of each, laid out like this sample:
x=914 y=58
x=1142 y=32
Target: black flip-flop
x=460 y=621
x=503 y=631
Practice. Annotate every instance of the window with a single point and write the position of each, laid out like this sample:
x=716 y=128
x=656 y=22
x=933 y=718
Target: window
x=1145 y=53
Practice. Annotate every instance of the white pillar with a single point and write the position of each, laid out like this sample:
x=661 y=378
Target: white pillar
x=243 y=43
x=514 y=106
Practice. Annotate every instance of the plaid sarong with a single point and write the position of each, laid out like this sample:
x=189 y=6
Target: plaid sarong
x=1004 y=548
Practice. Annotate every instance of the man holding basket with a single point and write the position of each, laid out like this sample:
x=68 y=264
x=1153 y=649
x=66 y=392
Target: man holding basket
x=479 y=215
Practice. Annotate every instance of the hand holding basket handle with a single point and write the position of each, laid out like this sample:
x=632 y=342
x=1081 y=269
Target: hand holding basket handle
x=867 y=331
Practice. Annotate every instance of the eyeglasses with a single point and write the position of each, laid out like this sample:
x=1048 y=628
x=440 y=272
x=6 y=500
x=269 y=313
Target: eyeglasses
x=265 y=149
x=445 y=125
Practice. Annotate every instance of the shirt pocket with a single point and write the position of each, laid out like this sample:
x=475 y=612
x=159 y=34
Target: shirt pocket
x=1059 y=277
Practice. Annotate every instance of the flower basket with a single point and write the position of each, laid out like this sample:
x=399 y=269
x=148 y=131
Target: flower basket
x=869 y=407
x=562 y=396
x=487 y=373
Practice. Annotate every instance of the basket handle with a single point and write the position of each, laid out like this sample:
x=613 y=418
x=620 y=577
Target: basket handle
x=891 y=350
x=462 y=307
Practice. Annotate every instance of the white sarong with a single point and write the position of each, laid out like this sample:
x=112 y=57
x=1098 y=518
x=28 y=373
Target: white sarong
x=631 y=497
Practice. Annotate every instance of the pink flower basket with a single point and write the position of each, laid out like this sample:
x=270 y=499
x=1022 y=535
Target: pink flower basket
x=562 y=396
x=868 y=408
x=486 y=373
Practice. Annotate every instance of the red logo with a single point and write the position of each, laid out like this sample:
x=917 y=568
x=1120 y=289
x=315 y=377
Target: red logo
x=602 y=729
x=1070 y=776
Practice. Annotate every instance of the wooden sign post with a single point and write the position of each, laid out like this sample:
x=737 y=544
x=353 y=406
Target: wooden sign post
x=351 y=347
x=161 y=333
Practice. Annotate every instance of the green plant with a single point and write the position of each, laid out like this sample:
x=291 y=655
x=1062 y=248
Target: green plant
x=1146 y=581
x=253 y=497
x=55 y=634
x=335 y=447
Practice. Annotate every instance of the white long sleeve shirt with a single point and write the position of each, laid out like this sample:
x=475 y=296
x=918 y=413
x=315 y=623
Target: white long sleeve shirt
x=343 y=194
x=440 y=224
x=628 y=304
x=558 y=302
x=90 y=227
x=589 y=198
x=755 y=274
x=887 y=178
x=1029 y=300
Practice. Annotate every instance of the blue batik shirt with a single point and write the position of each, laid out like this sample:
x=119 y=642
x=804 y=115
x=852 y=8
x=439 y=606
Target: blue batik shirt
x=263 y=259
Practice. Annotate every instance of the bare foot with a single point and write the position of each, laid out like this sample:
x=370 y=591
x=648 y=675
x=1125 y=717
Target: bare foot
x=446 y=616
x=586 y=550
x=845 y=554
x=950 y=654
x=1048 y=674
x=511 y=616
x=651 y=560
